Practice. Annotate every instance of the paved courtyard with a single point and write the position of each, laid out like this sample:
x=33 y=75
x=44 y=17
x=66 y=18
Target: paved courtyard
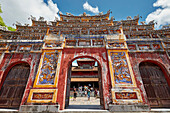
x=84 y=103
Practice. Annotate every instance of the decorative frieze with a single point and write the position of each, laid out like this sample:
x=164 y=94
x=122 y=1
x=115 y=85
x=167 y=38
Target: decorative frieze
x=121 y=69
x=126 y=95
x=47 y=75
x=42 y=96
x=48 y=69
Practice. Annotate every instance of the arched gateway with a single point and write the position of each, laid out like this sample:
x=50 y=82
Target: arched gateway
x=51 y=47
x=70 y=55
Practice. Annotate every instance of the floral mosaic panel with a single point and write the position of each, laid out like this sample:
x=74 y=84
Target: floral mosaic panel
x=48 y=69
x=120 y=66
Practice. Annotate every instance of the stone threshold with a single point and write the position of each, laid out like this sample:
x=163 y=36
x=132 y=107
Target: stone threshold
x=88 y=111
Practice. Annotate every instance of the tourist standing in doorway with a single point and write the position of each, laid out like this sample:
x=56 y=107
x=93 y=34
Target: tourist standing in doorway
x=85 y=90
x=95 y=93
x=75 y=94
x=88 y=93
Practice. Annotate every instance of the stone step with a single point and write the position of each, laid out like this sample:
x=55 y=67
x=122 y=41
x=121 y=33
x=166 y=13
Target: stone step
x=86 y=111
x=83 y=111
x=106 y=111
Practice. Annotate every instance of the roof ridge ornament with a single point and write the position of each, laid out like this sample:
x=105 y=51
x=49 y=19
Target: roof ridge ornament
x=41 y=18
x=18 y=23
x=32 y=18
x=26 y=24
x=166 y=26
x=69 y=14
x=56 y=19
x=137 y=17
x=151 y=22
x=129 y=18
x=60 y=13
x=143 y=22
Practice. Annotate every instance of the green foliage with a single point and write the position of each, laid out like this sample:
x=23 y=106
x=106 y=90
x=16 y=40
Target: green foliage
x=11 y=29
x=0 y=9
x=2 y=22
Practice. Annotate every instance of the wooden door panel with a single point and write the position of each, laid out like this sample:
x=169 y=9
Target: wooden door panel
x=156 y=86
x=150 y=91
x=4 y=102
x=4 y=92
x=19 y=92
x=153 y=102
x=14 y=85
x=11 y=92
x=16 y=102
x=165 y=102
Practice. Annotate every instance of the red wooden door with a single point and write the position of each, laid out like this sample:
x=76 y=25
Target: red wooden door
x=156 y=86
x=14 y=85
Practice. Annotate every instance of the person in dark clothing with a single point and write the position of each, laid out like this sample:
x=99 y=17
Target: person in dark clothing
x=88 y=93
x=75 y=94
x=95 y=93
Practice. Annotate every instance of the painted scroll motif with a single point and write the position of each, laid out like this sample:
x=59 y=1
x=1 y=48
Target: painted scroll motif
x=126 y=95
x=42 y=96
x=121 y=70
x=48 y=69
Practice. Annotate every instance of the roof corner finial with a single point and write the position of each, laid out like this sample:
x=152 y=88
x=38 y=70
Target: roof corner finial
x=108 y=12
x=101 y=13
x=84 y=14
x=112 y=18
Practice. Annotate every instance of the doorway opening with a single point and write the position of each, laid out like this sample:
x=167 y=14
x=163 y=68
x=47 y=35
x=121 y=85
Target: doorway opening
x=84 y=86
x=13 y=86
x=156 y=85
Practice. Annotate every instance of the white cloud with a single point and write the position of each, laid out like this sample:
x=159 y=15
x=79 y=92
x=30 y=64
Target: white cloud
x=161 y=15
x=88 y=7
x=20 y=10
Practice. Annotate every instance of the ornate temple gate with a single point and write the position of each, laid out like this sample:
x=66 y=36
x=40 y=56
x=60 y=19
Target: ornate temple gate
x=14 y=85
x=156 y=86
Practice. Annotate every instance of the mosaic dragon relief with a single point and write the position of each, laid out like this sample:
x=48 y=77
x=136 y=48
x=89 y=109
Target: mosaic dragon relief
x=121 y=70
x=48 y=69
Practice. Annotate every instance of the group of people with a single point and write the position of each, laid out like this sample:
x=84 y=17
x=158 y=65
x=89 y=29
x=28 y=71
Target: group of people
x=86 y=90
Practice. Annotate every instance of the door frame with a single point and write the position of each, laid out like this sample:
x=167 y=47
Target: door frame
x=68 y=84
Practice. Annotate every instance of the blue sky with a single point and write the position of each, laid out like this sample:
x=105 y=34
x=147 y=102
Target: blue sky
x=120 y=8
x=20 y=10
